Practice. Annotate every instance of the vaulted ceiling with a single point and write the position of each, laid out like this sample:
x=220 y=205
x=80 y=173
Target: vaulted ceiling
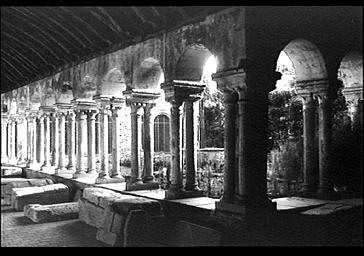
x=40 y=41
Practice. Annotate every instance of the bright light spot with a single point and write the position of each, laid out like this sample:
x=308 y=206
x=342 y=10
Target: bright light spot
x=208 y=70
x=285 y=66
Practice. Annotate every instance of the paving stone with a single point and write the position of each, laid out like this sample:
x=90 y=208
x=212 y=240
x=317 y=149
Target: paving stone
x=50 y=213
x=49 y=194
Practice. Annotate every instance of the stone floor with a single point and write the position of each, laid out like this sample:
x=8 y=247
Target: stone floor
x=19 y=231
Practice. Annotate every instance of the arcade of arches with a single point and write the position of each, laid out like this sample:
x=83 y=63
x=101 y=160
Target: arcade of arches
x=87 y=119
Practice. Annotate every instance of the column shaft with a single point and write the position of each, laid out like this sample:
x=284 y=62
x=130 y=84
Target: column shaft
x=81 y=149
x=91 y=156
x=309 y=145
x=135 y=149
x=325 y=186
x=115 y=171
x=55 y=138
x=4 y=135
x=148 y=145
x=61 y=145
x=41 y=140
x=191 y=153
x=71 y=141
x=104 y=154
x=46 y=138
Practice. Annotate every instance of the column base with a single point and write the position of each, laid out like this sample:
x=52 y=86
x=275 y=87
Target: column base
x=47 y=169
x=21 y=161
x=117 y=176
x=142 y=186
x=148 y=179
x=61 y=170
x=33 y=166
x=12 y=161
x=4 y=160
x=107 y=179
x=242 y=209
x=180 y=194
x=80 y=174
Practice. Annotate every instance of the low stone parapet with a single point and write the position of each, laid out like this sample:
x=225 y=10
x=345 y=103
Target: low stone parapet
x=114 y=214
x=8 y=184
x=49 y=194
x=50 y=213
x=11 y=171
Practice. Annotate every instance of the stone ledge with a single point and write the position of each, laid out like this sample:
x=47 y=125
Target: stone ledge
x=11 y=171
x=50 y=213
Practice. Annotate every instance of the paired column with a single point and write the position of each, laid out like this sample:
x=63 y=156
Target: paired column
x=91 y=155
x=12 y=144
x=135 y=143
x=115 y=171
x=310 y=170
x=4 y=139
x=46 y=142
x=148 y=146
x=81 y=142
x=62 y=140
x=71 y=141
x=21 y=140
x=326 y=185
x=245 y=185
x=104 y=154
x=191 y=151
x=55 y=139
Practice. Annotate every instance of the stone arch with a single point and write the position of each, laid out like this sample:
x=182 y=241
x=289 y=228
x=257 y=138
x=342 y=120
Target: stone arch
x=191 y=63
x=113 y=82
x=351 y=70
x=307 y=60
x=147 y=74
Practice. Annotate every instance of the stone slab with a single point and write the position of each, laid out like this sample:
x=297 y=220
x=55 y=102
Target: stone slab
x=329 y=208
x=11 y=171
x=6 y=181
x=109 y=238
x=101 y=196
x=90 y=213
x=26 y=183
x=125 y=205
x=50 y=213
x=136 y=230
x=49 y=194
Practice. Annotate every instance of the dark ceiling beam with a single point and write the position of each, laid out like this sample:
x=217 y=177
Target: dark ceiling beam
x=181 y=11
x=67 y=21
x=13 y=68
x=67 y=31
x=141 y=16
x=29 y=36
x=85 y=23
x=105 y=22
x=114 y=24
x=13 y=78
x=27 y=46
x=19 y=63
x=131 y=22
x=14 y=52
x=45 y=36
x=54 y=30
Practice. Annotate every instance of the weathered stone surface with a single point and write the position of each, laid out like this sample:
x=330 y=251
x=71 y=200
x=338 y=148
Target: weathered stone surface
x=123 y=206
x=9 y=171
x=190 y=234
x=109 y=238
x=49 y=194
x=136 y=230
x=329 y=208
x=6 y=181
x=49 y=213
x=26 y=183
x=113 y=222
x=90 y=213
x=95 y=194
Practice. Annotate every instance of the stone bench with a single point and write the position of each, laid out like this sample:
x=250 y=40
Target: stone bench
x=50 y=213
x=49 y=194
x=11 y=171
x=8 y=184
x=115 y=214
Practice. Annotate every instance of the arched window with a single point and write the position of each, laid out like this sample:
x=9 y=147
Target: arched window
x=161 y=133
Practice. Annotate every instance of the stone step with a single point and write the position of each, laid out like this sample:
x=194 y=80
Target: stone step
x=51 y=213
x=49 y=194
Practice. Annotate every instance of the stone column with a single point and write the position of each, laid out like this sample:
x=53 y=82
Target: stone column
x=81 y=143
x=115 y=171
x=148 y=144
x=176 y=185
x=9 y=139
x=354 y=99
x=4 y=139
x=71 y=141
x=21 y=157
x=135 y=143
x=55 y=139
x=104 y=155
x=325 y=177
x=310 y=170
x=62 y=141
x=32 y=146
x=191 y=151
x=46 y=138
x=41 y=140
x=12 y=143
x=91 y=156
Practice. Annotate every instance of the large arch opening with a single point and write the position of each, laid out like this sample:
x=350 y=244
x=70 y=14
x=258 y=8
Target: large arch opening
x=299 y=61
